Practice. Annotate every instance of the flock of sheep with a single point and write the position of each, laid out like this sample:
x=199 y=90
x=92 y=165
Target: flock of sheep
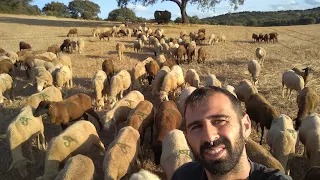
x=118 y=94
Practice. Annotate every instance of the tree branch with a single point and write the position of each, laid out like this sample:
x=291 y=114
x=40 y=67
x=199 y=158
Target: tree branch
x=175 y=1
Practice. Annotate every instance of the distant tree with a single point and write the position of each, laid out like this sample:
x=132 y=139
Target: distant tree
x=79 y=7
x=56 y=9
x=202 y=4
x=18 y=7
x=122 y=14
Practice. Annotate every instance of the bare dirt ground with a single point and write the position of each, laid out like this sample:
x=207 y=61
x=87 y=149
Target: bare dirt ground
x=298 y=46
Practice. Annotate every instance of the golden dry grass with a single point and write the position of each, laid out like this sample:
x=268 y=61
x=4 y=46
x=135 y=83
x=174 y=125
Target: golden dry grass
x=298 y=47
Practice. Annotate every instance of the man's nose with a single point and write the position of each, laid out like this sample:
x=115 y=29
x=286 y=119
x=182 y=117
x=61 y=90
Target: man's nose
x=210 y=132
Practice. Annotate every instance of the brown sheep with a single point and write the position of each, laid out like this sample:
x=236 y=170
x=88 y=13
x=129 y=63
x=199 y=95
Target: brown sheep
x=313 y=173
x=73 y=31
x=141 y=118
x=6 y=66
x=260 y=111
x=108 y=68
x=190 y=52
x=70 y=109
x=202 y=54
x=304 y=73
x=181 y=52
x=120 y=49
x=260 y=37
x=105 y=34
x=54 y=49
x=167 y=118
x=273 y=36
x=66 y=44
x=24 y=45
x=152 y=69
x=255 y=37
x=266 y=38
x=307 y=101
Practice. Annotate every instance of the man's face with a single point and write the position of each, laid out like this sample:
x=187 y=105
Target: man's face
x=214 y=120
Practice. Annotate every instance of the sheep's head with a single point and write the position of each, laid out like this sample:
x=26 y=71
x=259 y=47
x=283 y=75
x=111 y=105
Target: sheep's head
x=43 y=108
x=164 y=96
x=108 y=121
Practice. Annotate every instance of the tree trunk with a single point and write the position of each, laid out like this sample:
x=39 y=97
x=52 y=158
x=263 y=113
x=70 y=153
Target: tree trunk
x=184 y=16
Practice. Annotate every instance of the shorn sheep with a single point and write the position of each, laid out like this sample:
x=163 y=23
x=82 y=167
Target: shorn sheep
x=119 y=83
x=291 y=81
x=192 y=78
x=212 y=80
x=183 y=96
x=254 y=69
x=171 y=82
x=202 y=55
x=100 y=86
x=282 y=138
x=77 y=167
x=244 y=90
x=108 y=68
x=120 y=49
x=121 y=156
x=304 y=73
x=64 y=77
x=48 y=94
x=141 y=118
x=73 y=32
x=159 y=79
x=175 y=152
x=79 y=138
x=43 y=78
x=6 y=85
x=20 y=130
x=307 y=101
x=166 y=119
x=261 y=55
x=152 y=69
x=309 y=135
x=143 y=175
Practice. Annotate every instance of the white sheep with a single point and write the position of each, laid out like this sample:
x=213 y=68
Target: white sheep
x=192 y=78
x=6 y=83
x=183 y=96
x=121 y=109
x=175 y=152
x=254 y=69
x=137 y=45
x=48 y=94
x=13 y=56
x=212 y=80
x=244 y=90
x=80 y=45
x=230 y=89
x=161 y=59
x=64 y=77
x=171 y=82
x=122 y=154
x=211 y=39
x=282 y=138
x=158 y=49
x=20 y=130
x=120 y=48
x=291 y=81
x=100 y=86
x=118 y=84
x=309 y=135
x=139 y=74
x=159 y=79
x=143 y=175
x=77 y=167
x=76 y=139
x=43 y=78
x=261 y=55
x=96 y=32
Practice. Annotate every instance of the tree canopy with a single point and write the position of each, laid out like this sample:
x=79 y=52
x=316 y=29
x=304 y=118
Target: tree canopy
x=19 y=7
x=56 y=9
x=84 y=9
x=202 y=4
x=122 y=14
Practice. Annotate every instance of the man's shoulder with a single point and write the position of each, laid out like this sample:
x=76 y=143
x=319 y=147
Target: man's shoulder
x=259 y=171
x=191 y=170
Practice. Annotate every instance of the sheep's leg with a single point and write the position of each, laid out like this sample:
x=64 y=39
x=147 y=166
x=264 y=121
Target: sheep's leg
x=151 y=135
x=282 y=90
x=262 y=132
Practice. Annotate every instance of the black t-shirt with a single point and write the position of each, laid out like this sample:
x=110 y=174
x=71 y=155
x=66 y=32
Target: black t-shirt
x=194 y=170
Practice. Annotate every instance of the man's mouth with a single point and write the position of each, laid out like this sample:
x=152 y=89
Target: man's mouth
x=215 y=152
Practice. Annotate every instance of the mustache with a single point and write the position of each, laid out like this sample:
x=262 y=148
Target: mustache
x=208 y=145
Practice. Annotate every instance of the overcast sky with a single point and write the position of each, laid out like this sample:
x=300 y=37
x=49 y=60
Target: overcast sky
x=147 y=12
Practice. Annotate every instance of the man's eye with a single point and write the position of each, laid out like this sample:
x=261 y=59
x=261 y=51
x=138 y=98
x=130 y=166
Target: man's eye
x=218 y=122
x=195 y=127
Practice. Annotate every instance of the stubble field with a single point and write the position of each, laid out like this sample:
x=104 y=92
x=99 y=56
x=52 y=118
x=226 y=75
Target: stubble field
x=298 y=46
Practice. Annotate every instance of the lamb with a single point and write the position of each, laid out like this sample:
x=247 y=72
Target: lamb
x=43 y=78
x=211 y=39
x=5 y=85
x=120 y=49
x=254 y=69
x=291 y=81
x=261 y=55
x=307 y=101
x=244 y=90
x=70 y=109
x=273 y=36
x=80 y=45
x=141 y=118
x=192 y=78
x=255 y=37
x=266 y=38
x=7 y=67
x=108 y=68
x=260 y=111
x=167 y=118
x=119 y=83
x=100 y=86
x=77 y=167
x=79 y=138
x=138 y=75
x=259 y=154
x=54 y=49
x=304 y=73
x=152 y=69
x=175 y=152
x=66 y=45
x=222 y=38
x=211 y=80
x=181 y=52
x=171 y=82
x=191 y=49
x=122 y=154
x=20 y=130
x=64 y=77
x=105 y=35
x=23 y=45
x=73 y=32
x=120 y=111
x=260 y=37
x=48 y=94
x=159 y=79
x=137 y=45
x=309 y=133
x=143 y=175
x=202 y=54
x=96 y=32
x=282 y=138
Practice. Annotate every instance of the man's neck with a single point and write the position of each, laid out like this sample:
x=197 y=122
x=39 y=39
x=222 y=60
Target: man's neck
x=241 y=171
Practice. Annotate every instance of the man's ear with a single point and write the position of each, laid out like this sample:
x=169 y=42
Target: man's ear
x=246 y=126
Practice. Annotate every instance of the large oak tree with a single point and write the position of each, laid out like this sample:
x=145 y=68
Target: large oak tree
x=203 y=4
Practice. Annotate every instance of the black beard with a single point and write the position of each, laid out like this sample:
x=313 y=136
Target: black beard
x=222 y=166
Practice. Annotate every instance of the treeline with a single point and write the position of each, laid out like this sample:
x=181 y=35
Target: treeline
x=18 y=7
x=276 y=18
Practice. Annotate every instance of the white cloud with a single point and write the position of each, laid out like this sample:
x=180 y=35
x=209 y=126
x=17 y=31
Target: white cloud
x=313 y=2
x=137 y=8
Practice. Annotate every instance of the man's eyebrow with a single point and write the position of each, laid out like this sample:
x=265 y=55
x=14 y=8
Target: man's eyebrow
x=193 y=123
x=210 y=117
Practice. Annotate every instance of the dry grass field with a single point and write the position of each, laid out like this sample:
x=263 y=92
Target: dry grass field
x=298 y=46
